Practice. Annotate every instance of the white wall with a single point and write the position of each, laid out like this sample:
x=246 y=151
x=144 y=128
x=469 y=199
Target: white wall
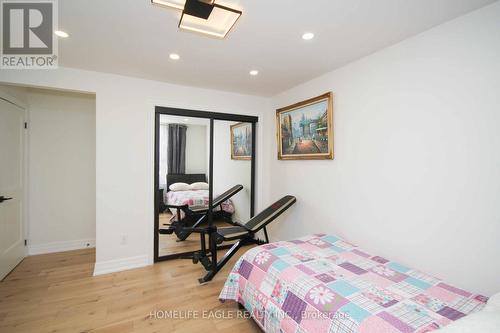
x=416 y=172
x=18 y=93
x=124 y=150
x=228 y=172
x=61 y=171
x=196 y=149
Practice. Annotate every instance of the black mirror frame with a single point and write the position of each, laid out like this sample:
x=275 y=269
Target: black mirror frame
x=159 y=110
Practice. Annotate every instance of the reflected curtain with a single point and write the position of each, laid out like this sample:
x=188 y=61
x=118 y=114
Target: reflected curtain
x=176 y=152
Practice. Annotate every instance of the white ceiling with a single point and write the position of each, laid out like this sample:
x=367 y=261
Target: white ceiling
x=135 y=38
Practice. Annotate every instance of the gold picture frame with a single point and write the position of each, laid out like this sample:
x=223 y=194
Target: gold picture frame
x=241 y=141
x=304 y=130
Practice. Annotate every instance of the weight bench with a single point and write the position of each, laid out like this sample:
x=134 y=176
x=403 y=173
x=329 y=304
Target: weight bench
x=244 y=233
x=198 y=213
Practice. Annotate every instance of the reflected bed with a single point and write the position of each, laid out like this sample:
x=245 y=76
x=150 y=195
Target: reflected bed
x=193 y=198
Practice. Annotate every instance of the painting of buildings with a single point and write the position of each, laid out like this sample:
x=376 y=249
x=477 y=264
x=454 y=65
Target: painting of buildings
x=305 y=129
x=241 y=141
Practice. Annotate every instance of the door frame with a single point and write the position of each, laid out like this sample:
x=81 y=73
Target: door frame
x=5 y=96
x=212 y=116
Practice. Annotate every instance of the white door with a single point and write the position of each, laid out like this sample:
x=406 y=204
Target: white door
x=12 y=249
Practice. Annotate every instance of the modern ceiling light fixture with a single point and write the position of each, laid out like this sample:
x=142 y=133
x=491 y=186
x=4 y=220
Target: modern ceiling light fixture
x=177 y=4
x=204 y=16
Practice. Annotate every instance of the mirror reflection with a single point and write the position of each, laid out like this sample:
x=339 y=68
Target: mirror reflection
x=184 y=163
x=232 y=165
x=184 y=191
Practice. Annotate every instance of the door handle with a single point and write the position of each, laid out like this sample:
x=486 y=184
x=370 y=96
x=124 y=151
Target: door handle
x=2 y=199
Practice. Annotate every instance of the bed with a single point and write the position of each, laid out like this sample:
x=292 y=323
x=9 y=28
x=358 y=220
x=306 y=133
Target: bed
x=321 y=283
x=193 y=198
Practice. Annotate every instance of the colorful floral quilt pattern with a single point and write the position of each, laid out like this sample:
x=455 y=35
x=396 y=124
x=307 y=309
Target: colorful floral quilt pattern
x=322 y=283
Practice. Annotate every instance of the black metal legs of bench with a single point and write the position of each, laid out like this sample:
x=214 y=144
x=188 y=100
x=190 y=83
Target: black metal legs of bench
x=265 y=235
x=243 y=233
x=217 y=265
x=183 y=233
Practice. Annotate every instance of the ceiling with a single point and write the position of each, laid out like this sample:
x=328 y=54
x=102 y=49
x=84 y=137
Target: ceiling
x=135 y=38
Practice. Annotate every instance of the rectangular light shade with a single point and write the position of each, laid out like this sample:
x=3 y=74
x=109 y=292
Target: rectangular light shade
x=178 y=4
x=220 y=22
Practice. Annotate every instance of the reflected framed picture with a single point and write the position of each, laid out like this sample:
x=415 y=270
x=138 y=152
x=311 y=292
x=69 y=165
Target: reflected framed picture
x=241 y=141
x=305 y=130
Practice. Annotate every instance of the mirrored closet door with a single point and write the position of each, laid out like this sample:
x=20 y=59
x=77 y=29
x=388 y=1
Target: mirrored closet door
x=183 y=181
x=204 y=179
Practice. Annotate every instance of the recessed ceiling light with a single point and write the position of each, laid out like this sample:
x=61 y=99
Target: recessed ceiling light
x=174 y=56
x=254 y=72
x=186 y=119
x=308 y=36
x=62 y=34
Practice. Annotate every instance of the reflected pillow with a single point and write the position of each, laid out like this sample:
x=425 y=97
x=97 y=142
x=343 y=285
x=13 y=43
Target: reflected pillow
x=199 y=186
x=176 y=187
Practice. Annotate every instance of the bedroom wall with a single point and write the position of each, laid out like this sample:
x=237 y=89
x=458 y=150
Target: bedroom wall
x=196 y=149
x=415 y=176
x=62 y=193
x=19 y=93
x=124 y=151
x=228 y=172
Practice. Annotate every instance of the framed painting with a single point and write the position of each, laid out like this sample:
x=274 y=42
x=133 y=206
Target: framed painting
x=305 y=130
x=241 y=141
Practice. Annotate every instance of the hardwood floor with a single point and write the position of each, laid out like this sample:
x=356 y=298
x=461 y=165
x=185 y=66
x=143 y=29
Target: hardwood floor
x=57 y=293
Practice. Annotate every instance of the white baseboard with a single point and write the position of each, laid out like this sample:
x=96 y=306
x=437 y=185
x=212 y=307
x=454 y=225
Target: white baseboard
x=118 y=265
x=60 y=246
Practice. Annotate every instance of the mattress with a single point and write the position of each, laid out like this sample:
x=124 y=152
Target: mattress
x=322 y=283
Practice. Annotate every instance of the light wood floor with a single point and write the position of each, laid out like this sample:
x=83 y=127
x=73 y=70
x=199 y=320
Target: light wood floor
x=57 y=293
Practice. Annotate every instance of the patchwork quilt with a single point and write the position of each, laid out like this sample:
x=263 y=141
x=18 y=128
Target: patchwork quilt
x=322 y=283
x=193 y=198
